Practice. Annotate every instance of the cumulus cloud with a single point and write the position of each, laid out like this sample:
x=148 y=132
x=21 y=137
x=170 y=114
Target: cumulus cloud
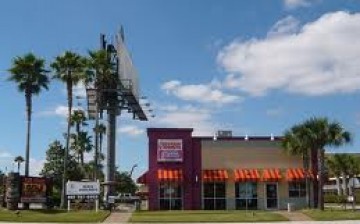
x=59 y=110
x=322 y=57
x=292 y=4
x=204 y=93
x=187 y=117
x=131 y=130
x=285 y=26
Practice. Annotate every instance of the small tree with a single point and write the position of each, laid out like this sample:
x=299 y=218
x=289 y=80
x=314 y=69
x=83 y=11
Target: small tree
x=124 y=183
x=19 y=160
x=54 y=166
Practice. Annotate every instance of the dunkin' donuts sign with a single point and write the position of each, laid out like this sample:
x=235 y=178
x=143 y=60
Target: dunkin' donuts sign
x=170 y=150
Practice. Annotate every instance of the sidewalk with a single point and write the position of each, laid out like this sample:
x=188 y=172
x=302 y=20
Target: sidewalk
x=118 y=217
x=122 y=214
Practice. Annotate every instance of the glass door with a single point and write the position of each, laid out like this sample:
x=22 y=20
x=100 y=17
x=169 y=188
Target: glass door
x=271 y=196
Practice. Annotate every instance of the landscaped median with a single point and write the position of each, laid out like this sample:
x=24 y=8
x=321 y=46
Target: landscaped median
x=329 y=214
x=52 y=216
x=206 y=216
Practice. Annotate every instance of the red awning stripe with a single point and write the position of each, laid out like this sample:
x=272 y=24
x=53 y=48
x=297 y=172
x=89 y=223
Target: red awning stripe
x=250 y=175
x=271 y=175
x=215 y=175
x=297 y=174
x=170 y=175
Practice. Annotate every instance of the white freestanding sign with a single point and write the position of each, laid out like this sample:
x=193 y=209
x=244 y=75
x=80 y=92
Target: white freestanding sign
x=83 y=189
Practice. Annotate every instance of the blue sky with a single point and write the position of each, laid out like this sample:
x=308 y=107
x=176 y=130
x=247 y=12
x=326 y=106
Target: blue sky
x=254 y=67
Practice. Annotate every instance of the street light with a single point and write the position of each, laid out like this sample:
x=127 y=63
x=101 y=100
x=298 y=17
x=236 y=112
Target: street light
x=132 y=169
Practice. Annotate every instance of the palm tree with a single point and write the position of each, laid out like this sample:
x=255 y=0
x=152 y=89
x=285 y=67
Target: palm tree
x=100 y=130
x=81 y=143
x=103 y=72
x=70 y=69
x=319 y=133
x=29 y=74
x=78 y=119
x=293 y=144
x=19 y=160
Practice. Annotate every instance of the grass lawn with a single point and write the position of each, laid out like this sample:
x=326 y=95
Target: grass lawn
x=205 y=216
x=333 y=214
x=53 y=216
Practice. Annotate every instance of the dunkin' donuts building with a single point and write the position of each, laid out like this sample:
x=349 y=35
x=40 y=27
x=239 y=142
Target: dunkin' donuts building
x=225 y=172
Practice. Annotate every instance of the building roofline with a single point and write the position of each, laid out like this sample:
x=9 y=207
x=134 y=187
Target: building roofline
x=169 y=129
x=243 y=138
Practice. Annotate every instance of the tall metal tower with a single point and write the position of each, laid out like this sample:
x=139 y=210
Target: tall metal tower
x=125 y=96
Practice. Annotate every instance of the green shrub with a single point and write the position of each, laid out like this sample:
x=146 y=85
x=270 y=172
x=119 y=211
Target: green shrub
x=330 y=198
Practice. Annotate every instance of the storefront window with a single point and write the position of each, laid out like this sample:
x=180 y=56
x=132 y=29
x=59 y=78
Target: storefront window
x=297 y=189
x=214 y=196
x=170 y=196
x=246 y=195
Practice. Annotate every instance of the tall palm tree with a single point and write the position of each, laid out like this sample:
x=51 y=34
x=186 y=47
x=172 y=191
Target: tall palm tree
x=319 y=134
x=70 y=69
x=19 y=160
x=29 y=73
x=100 y=130
x=103 y=73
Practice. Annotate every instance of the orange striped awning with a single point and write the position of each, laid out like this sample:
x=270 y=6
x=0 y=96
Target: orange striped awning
x=298 y=174
x=243 y=175
x=215 y=175
x=170 y=175
x=271 y=175
x=142 y=179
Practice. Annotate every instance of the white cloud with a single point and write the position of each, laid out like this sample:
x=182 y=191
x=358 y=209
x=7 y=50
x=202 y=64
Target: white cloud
x=187 y=117
x=131 y=130
x=292 y=4
x=7 y=164
x=59 y=110
x=285 y=26
x=204 y=93
x=323 y=57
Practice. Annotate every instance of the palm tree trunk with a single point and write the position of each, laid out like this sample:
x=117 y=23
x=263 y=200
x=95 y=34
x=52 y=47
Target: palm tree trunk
x=100 y=141
x=321 y=179
x=69 y=98
x=314 y=167
x=82 y=158
x=307 y=182
x=18 y=167
x=28 y=131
